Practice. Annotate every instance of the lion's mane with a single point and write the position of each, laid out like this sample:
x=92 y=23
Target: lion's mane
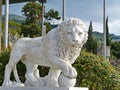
x=62 y=49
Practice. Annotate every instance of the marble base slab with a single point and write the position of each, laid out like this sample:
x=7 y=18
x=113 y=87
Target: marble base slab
x=41 y=88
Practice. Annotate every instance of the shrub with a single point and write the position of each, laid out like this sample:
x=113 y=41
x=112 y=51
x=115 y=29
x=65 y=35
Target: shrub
x=96 y=73
x=4 y=57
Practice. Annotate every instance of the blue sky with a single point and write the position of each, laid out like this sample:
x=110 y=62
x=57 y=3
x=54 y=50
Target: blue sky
x=86 y=10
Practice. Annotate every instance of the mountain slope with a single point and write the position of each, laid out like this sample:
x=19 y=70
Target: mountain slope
x=13 y=17
x=99 y=36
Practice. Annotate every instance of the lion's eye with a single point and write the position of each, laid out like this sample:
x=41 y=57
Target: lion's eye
x=69 y=33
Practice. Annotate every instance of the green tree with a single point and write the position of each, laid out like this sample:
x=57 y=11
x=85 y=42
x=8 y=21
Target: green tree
x=49 y=16
x=115 y=49
x=14 y=27
x=32 y=11
x=108 y=40
x=52 y=14
x=91 y=44
x=43 y=1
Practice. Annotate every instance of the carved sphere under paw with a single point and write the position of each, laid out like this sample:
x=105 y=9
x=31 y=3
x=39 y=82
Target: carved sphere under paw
x=64 y=81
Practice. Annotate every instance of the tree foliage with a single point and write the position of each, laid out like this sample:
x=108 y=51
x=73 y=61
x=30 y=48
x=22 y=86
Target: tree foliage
x=14 y=27
x=108 y=40
x=52 y=14
x=96 y=73
x=49 y=17
x=93 y=71
x=31 y=30
x=91 y=44
x=48 y=26
x=33 y=12
x=42 y=1
x=115 y=49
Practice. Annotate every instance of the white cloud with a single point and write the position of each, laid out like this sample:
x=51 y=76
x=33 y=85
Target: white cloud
x=114 y=26
x=113 y=12
x=96 y=26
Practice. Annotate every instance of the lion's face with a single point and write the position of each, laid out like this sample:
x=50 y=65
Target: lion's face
x=74 y=35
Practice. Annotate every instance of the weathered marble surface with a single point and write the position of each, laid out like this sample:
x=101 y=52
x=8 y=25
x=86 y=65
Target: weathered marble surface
x=58 y=49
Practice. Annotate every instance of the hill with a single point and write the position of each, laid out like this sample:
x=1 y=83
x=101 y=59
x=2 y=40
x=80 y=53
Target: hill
x=15 y=18
x=99 y=36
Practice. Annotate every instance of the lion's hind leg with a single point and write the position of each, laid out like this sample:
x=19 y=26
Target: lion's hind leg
x=14 y=59
x=16 y=74
x=32 y=74
x=8 y=70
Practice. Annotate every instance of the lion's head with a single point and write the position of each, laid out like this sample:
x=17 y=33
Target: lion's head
x=73 y=32
x=68 y=38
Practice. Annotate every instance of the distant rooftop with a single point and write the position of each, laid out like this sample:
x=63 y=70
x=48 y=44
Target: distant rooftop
x=16 y=1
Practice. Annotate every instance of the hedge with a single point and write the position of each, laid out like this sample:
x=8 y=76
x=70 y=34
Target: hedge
x=94 y=71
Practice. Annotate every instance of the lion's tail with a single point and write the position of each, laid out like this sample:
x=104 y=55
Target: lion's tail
x=16 y=74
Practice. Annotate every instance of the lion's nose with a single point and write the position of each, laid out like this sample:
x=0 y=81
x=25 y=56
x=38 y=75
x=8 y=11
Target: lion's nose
x=75 y=41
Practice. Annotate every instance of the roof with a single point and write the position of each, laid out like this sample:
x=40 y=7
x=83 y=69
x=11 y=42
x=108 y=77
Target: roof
x=15 y=1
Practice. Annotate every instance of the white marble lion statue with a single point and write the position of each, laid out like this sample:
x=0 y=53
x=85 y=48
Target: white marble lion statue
x=58 y=49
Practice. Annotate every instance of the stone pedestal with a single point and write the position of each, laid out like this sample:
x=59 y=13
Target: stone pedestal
x=41 y=88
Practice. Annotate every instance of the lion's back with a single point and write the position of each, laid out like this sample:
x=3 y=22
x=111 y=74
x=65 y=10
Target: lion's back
x=25 y=44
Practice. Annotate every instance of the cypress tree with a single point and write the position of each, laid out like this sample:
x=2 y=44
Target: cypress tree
x=91 y=45
x=108 y=40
